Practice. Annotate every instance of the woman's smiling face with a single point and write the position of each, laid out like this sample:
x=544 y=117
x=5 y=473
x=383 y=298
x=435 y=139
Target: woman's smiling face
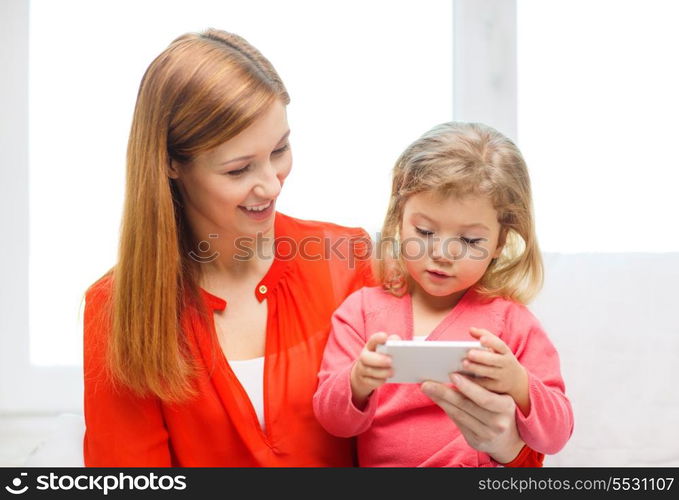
x=222 y=188
x=448 y=242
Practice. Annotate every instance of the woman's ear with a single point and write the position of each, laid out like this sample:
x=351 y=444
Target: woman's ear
x=173 y=170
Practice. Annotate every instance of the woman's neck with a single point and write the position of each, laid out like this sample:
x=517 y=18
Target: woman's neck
x=238 y=258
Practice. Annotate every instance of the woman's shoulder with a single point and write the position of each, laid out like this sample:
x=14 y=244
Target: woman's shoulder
x=293 y=226
x=345 y=250
x=97 y=316
x=101 y=290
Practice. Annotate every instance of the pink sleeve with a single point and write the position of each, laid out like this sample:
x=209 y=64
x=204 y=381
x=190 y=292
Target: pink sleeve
x=332 y=402
x=549 y=423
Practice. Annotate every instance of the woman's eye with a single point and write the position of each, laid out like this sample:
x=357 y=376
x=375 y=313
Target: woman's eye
x=423 y=232
x=281 y=150
x=239 y=171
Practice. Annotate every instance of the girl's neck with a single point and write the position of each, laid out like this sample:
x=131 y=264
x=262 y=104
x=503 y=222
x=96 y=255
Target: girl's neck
x=434 y=304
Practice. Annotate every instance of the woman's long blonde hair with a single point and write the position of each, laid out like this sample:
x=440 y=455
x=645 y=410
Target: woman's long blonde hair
x=462 y=159
x=202 y=90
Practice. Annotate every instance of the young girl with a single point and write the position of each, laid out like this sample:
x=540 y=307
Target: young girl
x=459 y=259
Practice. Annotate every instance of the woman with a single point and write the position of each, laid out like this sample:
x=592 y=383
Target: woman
x=208 y=271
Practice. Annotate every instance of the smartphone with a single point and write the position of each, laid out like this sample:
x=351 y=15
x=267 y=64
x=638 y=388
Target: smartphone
x=415 y=361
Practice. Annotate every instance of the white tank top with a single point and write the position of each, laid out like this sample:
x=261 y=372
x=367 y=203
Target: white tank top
x=250 y=373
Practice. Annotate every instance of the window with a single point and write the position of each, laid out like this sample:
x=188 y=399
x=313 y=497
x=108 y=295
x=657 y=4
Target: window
x=365 y=78
x=597 y=122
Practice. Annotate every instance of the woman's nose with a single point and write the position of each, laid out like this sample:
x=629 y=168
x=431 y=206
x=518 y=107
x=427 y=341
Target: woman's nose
x=268 y=184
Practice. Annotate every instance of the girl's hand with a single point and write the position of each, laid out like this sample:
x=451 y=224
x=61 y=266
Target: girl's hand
x=498 y=370
x=371 y=369
x=486 y=420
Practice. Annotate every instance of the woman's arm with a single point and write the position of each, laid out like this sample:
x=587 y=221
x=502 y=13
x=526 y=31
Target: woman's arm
x=122 y=430
x=487 y=421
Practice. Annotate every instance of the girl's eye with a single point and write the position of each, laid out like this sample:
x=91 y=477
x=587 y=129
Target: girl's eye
x=239 y=171
x=471 y=241
x=423 y=232
x=281 y=150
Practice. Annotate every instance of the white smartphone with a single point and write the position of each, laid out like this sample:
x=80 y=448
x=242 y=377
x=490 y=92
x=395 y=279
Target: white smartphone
x=415 y=361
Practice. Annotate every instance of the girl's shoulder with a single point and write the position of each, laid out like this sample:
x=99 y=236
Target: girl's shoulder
x=515 y=321
x=504 y=306
x=509 y=317
x=374 y=300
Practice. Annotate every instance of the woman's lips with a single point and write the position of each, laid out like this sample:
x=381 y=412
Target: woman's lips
x=259 y=215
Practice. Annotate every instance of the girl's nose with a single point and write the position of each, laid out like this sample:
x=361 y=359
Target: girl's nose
x=438 y=252
x=447 y=250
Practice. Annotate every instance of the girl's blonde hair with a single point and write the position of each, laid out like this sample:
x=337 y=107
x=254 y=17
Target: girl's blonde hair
x=201 y=91
x=462 y=159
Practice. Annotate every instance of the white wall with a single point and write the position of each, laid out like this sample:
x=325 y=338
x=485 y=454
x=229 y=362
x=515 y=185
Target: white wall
x=23 y=387
x=13 y=189
x=597 y=114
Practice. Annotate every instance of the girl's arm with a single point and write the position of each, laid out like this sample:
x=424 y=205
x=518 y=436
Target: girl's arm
x=548 y=424
x=544 y=416
x=525 y=365
x=122 y=430
x=486 y=420
x=332 y=401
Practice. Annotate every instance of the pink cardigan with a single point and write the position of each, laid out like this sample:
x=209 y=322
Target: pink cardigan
x=400 y=426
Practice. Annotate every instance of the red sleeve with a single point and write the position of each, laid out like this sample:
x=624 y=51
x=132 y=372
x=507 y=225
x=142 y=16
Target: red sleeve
x=527 y=457
x=332 y=401
x=122 y=430
x=366 y=265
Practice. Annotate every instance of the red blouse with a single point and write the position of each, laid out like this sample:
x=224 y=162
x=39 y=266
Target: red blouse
x=316 y=266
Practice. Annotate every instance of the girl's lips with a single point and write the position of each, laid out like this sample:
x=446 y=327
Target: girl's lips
x=438 y=276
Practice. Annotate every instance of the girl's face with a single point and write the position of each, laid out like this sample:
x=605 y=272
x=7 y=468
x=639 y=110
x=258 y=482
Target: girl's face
x=448 y=242
x=247 y=171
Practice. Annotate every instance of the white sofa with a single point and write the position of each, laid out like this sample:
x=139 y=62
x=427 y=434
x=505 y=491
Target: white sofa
x=611 y=317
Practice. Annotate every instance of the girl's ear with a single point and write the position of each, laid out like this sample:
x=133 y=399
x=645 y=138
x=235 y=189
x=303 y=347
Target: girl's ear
x=173 y=170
